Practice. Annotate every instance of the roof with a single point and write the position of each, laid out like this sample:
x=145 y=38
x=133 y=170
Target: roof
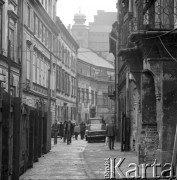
x=91 y=57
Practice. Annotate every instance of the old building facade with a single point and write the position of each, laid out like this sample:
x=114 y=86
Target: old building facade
x=37 y=46
x=10 y=63
x=10 y=74
x=146 y=76
x=95 y=74
x=66 y=74
x=49 y=69
x=38 y=81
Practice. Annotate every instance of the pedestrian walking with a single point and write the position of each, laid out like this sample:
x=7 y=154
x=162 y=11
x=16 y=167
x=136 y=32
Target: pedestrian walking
x=61 y=130
x=82 y=130
x=64 y=131
x=110 y=133
x=76 y=131
x=55 y=131
x=69 y=131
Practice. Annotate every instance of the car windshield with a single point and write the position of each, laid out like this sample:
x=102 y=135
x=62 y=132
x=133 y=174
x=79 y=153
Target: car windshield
x=95 y=126
x=94 y=121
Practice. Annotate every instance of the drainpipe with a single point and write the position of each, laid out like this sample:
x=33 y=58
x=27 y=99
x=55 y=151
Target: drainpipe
x=76 y=88
x=49 y=107
x=20 y=36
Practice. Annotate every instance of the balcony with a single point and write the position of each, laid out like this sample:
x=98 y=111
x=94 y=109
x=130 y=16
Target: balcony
x=150 y=15
x=111 y=92
x=157 y=14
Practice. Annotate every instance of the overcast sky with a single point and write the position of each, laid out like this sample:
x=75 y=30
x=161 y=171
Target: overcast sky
x=67 y=8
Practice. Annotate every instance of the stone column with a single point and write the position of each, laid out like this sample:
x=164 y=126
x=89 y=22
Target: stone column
x=165 y=76
x=159 y=54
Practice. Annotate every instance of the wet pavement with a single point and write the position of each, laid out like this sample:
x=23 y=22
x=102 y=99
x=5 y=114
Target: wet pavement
x=79 y=160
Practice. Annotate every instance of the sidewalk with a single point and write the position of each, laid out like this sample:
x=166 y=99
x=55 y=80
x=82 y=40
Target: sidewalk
x=80 y=160
x=96 y=153
x=62 y=162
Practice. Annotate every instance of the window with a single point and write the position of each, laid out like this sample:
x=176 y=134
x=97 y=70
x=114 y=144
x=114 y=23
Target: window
x=46 y=5
x=79 y=95
x=38 y=69
x=11 y=39
x=54 y=78
x=49 y=40
x=72 y=82
x=65 y=55
x=35 y=25
x=72 y=62
x=42 y=71
x=39 y=29
x=57 y=46
x=46 y=74
x=75 y=87
x=54 y=44
x=68 y=85
x=92 y=97
x=87 y=95
x=28 y=63
x=96 y=97
x=42 y=34
x=49 y=6
x=47 y=37
x=60 y=55
x=34 y=67
x=28 y=16
x=83 y=95
x=63 y=80
x=105 y=99
x=57 y=78
x=60 y=79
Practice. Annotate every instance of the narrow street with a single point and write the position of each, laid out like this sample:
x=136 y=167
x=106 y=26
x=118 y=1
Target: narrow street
x=80 y=160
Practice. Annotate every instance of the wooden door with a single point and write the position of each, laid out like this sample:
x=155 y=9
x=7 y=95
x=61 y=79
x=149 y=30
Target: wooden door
x=16 y=139
x=6 y=138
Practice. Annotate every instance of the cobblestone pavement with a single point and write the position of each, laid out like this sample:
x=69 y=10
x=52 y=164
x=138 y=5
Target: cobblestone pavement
x=96 y=153
x=62 y=162
x=80 y=160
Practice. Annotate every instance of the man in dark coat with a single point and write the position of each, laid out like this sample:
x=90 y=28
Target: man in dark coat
x=64 y=131
x=61 y=130
x=55 y=131
x=82 y=130
x=110 y=133
x=69 y=131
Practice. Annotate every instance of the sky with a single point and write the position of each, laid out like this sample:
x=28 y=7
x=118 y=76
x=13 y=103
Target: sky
x=67 y=8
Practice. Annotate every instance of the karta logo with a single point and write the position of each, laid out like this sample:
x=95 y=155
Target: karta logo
x=137 y=171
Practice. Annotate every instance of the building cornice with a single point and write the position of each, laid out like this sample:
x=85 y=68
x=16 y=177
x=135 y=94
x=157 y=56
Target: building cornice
x=13 y=63
x=93 y=79
x=12 y=15
x=92 y=65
